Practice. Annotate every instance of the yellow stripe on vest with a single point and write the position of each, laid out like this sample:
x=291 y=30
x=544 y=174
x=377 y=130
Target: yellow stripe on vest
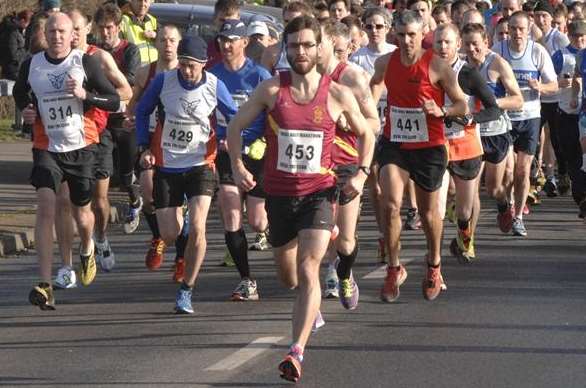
x=345 y=147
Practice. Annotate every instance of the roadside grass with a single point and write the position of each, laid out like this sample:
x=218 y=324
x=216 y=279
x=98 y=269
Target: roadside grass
x=7 y=134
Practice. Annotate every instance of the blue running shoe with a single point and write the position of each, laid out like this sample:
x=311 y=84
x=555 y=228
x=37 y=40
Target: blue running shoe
x=183 y=301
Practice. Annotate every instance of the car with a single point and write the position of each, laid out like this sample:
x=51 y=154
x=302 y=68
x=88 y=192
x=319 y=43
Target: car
x=196 y=17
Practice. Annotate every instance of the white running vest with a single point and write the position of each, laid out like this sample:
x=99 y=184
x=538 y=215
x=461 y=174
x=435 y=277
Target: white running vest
x=503 y=123
x=568 y=70
x=553 y=41
x=61 y=112
x=187 y=129
x=454 y=130
x=524 y=68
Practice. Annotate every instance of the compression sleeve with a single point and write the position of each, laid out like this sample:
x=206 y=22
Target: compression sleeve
x=22 y=90
x=558 y=61
x=146 y=105
x=226 y=105
x=474 y=85
x=132 y=62
x=100 y=92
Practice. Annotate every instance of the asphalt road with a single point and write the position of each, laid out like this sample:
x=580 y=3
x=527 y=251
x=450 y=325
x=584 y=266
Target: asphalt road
x=516 y=318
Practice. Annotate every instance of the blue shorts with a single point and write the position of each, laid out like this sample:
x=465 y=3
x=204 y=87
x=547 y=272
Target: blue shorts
x=525 y=135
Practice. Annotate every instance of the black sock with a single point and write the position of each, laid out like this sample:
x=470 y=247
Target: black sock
x=180 y=244
x=502 y=207
x=346 y=263
x=153 y=224
x=463 y=225
x=238 y=248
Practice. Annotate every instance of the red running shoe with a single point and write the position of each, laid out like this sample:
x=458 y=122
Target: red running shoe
x=433 y=283
x=154 y=257
x=395 y=277
x=290 y=367
x=505 y=220
x=179 y=271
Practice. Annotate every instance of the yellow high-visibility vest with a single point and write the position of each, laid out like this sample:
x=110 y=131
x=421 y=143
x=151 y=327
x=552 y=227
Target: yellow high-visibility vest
x=133 y=31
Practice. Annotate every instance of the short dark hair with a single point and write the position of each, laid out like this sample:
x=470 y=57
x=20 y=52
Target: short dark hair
x=108 y=13
x=411 y=2
x=439 y=9
x=474 y=28
x=303 y=22
x=352 y=20
x=521 y=14
x=298 y=6
x=226 y=7
x=461 y=6
x=346 y=3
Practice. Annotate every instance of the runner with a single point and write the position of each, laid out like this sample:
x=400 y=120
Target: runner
x=343 y=252
x=303 y=108
x=241 y=77
x=183 y=149
x=59 y=99
x=496 y=139
x=167 y=40
x=535 y=75
x=413 y=145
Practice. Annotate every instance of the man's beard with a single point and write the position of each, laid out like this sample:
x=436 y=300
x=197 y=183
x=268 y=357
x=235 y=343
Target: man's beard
x=304 y=68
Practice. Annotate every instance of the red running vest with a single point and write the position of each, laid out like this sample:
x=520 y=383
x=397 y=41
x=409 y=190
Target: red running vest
x=299 y=143
x=408 y=87
x=344 y=151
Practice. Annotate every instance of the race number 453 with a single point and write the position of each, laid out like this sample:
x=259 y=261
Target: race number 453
x=299 y=151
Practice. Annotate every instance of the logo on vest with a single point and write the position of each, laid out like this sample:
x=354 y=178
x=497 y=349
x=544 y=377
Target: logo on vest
x=318 y=115
x=57 y=80
x=189 y=107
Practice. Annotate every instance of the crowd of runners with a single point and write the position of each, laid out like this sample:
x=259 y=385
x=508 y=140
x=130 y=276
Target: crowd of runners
x=412 y=101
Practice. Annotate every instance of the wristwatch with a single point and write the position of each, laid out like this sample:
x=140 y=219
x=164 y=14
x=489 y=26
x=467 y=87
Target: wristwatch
x=365 y=169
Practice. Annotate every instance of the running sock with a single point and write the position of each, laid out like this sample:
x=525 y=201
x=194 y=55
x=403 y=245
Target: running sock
x=153 y=224
x=502 y=207
x=464 y=225
x=296 y=350
x=185 y=287
x=346 y=263
x=236 y=242
x=180 y=244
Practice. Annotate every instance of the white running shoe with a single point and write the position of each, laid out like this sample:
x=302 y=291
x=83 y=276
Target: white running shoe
x=133 y=217
x=104 y=255
x=318 y=323
x=331 y=291
x=66 y=278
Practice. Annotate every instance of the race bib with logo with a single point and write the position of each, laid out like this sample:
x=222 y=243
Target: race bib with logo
x=62 y=115
x=408 y=125
x=181 y=136
x=299 y=151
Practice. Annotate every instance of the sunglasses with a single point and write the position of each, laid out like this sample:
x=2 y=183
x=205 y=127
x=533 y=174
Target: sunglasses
x=375 y=26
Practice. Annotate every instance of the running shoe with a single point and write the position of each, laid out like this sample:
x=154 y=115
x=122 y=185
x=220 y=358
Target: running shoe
x=382 y=254
x=179 y=270
x=533 y=196
x=261 y=242
x=155 y=255
x=526 y=210
x=451 y=211
x=42 y=295
x=396 y=276
x=227 y=260
x=349 y=293
x=465 y=242
x=245 y=290
x=104 y=255
x=133 y=217
x=412 y=221
x=290 y=367
x=183 y=301
x=331 y=290
x=540 y=179
x=505 y=219
x=519 y=228
x=433 y=283
x=65 y=278
x=550 y=187
x=564 y=184
x=318 y=322
x=87 y=269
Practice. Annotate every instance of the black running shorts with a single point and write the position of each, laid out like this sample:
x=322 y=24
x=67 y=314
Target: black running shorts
x=171 y=189
x=255 y=167
x=496 y=147
x=288 y=215
x=465 y=169
x=104 y=164
x=343 y=173
x=525 y=135
x=73 y=167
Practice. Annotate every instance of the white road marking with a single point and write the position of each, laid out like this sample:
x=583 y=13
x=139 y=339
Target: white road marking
x=245 y=354
x=381 y=271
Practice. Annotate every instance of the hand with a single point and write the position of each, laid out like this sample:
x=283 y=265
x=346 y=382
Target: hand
x=574 y=103
x=355 y=184
x=147 y=159
x=243 y=178
x=128 y=122
x=564 y=82
x=29 y=114
x=149 y=34
x=74 y=87
x=223 y=145
x=343 y=123
x=534 y=84
x=431 y=108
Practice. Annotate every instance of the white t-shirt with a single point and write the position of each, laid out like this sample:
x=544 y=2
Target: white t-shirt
x=365 y=57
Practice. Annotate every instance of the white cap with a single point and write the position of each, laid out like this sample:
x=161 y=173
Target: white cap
x=257 y=27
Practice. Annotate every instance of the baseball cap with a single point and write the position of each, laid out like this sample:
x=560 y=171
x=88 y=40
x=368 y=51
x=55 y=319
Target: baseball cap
x=194 y=48
x=51 y=4
x=543 y=6
x=257 y=27
x=577 y=27
x=233 y=29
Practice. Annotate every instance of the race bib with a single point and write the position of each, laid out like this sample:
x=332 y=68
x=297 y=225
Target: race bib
x=381 y=107
x=239 y=99
x=408 y=125
x=63 y=119
x=300 y=151
x=181 y=137
x=153 y=121
x=495 y=127
x=453 y=130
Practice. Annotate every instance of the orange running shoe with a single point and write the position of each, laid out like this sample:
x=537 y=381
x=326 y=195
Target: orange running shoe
x=155 y=255
x=433 y=283
x=290 y=367
x=179 y=272
x=395 y=277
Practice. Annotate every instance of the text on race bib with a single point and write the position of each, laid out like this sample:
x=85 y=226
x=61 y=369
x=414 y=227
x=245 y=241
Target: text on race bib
x=180 y=136
x=299 y=151
x=408 y=125
x=453 y=130
x=61 y=112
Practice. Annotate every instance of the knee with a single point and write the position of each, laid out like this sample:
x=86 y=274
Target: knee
x=391 y=209
x=308 y=273
x=258 y=223
x=197 y=233
x=345 y=244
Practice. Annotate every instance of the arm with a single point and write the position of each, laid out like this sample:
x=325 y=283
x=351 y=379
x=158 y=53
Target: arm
x=138 y=88
x=132 y=62
x=514 y=98
x=577 y=80
x=377 y=82
x=100 y=92
x=226 y=106
x=548 y=83
x=22 y=89
x=146 y=105
x=114 y=75
x=482 y=92
x=358 y=84
x=441 y=73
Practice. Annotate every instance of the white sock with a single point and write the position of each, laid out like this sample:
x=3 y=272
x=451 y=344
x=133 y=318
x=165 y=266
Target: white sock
x=90 y=249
